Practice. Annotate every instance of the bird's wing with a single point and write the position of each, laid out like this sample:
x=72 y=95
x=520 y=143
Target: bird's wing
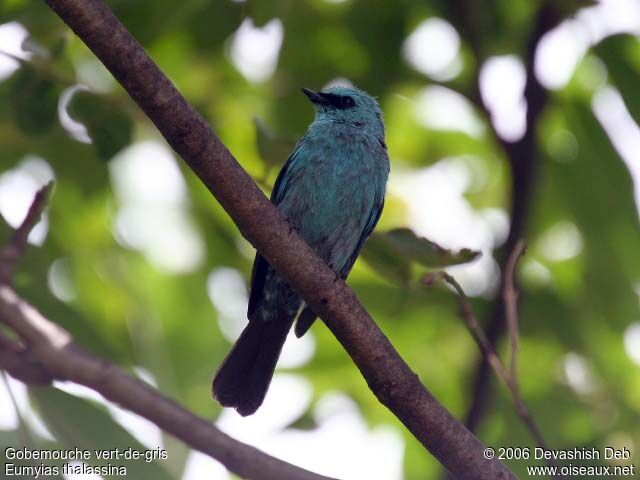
x=288 y=172
x=308 y=316
x=260 y=265
x=372 y=221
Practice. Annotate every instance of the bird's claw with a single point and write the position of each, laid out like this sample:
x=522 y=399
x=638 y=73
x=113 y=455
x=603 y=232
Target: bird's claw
x=292 y=227
x=337 y=277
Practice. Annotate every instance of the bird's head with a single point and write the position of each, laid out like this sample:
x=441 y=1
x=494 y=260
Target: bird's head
x=348 y=105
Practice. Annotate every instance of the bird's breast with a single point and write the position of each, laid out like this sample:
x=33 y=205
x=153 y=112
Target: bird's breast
x=341 y=180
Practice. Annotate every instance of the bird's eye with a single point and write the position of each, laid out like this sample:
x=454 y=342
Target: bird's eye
x=348 y=102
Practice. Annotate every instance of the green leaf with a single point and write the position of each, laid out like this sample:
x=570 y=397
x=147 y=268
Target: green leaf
x=110 y=128
x=392 y=253
x=567 y=8
x=618 y=53
x=384 y=259
x=58 y=47
x=262 y=12
x=407 y=245
x=80 y=423
x=33 y=99
x=306 y=422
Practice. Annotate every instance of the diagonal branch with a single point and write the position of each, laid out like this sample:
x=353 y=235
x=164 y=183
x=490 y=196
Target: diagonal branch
x=386 y=373
x=509 y=377
x=17 y=361
x=12 y=252
x=53 y=348
x=510 y=299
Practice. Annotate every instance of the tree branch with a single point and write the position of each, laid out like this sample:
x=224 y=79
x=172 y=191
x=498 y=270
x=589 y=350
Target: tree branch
x=12 y=252
x=510 y=299
x=509 y=377
x=388 y=376
x=16 y=360
x=523 y=161
x=62 y=359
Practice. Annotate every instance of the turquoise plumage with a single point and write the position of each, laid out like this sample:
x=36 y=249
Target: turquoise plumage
x=331 y=190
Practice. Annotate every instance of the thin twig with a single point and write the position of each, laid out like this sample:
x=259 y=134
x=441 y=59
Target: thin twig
x=472 y=323
x=15 y=248
x=510 y=299
x=507 y=377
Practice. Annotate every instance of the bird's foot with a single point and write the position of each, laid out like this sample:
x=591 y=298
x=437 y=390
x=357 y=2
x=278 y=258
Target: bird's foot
x=337 y=277
x=292 y=227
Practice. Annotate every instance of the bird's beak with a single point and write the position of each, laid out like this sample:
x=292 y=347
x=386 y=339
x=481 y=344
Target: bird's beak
x=317 y=98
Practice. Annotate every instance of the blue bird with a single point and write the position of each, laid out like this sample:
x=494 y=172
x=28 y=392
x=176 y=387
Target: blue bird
x=331 y=189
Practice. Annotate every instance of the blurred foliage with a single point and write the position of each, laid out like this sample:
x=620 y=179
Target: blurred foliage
x=34 y=101
x=110 y=129
x=391 y=253
x=130 y=309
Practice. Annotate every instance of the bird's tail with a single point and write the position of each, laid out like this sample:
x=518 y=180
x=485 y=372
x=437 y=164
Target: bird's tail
x=243 y=378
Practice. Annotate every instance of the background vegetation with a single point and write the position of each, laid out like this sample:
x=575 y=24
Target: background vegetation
x=138 y=261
